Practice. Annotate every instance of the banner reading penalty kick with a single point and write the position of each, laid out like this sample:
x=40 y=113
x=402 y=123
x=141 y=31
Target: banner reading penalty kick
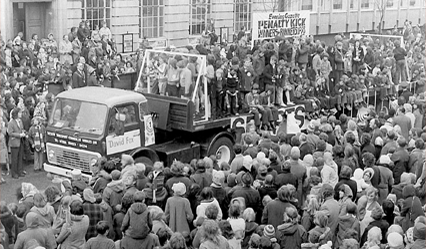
x=267 y=25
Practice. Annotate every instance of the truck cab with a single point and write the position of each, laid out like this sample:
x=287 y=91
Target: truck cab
x=91 y=122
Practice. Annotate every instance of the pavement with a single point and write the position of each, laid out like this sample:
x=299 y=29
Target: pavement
x=38 y=179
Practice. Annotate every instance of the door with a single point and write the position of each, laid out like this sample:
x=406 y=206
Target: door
x=35 y=14
x=18 y=18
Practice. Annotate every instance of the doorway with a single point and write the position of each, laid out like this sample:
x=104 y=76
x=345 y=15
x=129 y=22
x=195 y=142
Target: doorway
x=30 y=18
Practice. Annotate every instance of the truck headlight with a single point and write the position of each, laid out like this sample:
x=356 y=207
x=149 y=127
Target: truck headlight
x=51 y=155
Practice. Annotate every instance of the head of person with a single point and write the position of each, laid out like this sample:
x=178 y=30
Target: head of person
x=372 y=194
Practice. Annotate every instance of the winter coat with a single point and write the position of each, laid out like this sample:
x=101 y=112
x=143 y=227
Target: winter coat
x=291 y=236
x=273 y=213
x=302 y=53
x=347 y=224
x=203 y=179
x=351 y=183
x=46 y=215
x=333 y=208
x=178 y=214
x=113 y=193
x=107 y=216
x=75 y=239
x=43 y=236
x=137 y=222
x=400 y=159
x=285 y=178
x=411 y=206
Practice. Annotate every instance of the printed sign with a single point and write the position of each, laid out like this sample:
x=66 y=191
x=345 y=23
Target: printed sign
x=268 y=25
x=295 y=118
x=149 y=130
x=130 y=140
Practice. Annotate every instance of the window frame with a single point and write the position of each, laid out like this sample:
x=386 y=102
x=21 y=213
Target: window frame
x=207 y=15
x=106 y=9
x=390 y=4
x=338 y=6
x=310 y=6
x=412 y=3
x=365 y=4
x=156 y=18
x=238 y=21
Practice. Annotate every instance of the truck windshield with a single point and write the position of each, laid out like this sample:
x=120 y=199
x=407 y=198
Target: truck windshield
x=79 y=116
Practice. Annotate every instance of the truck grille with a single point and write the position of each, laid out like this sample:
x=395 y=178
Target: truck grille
x=71 y=158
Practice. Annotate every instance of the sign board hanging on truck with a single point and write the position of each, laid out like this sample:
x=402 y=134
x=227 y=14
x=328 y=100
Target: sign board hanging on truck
x=268 y=25
x=130 y=140
x=149 y=130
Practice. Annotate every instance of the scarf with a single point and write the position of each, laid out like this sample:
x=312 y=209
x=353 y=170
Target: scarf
x=38 y=139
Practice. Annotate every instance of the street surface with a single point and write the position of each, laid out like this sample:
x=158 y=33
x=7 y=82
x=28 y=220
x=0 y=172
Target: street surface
x=8 y=189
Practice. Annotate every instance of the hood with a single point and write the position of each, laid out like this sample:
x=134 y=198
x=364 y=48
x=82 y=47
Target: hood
x=104 y=206
x=116 y=186
x=32 y=220
x=43 y=211
x=287 y=229
x=346 y=221
x=408 y=191
x=138 y=208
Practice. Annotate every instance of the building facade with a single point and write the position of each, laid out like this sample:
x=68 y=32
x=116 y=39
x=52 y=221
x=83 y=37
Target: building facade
x=181 y=21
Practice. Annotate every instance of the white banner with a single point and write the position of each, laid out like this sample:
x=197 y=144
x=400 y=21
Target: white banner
x=268 y=25
x=149 y=130
x=130 y=140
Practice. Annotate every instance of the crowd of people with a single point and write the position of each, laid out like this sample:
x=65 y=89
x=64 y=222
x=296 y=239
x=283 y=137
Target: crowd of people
x=344 y=183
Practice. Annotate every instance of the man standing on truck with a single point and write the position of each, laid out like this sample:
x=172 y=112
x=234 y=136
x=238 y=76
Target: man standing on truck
x=79 y=77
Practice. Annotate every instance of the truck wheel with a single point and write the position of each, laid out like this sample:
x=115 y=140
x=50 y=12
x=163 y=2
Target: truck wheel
x=222 y=148
x=144 y=160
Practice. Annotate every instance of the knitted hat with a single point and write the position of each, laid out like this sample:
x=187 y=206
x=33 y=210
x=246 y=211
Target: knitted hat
x=384 y=159
x=395 y=240
x=269 y=231
x=179 y=188
x=115 y=175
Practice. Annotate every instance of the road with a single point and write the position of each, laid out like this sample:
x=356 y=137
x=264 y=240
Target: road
x=8 y=190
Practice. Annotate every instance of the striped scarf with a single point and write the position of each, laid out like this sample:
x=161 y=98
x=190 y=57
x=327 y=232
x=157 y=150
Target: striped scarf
x=38 y=139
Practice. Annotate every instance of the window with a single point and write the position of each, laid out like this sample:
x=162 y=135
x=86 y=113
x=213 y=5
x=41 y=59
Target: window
x=389 y=3
x=325 y=5
x=412 y=2
x=242 y=16
x=152 y=18
x=306 y=4
x=353 y=4
x=96 y=11
x=365 y=4
x=337 y=4
x=200 y=11
x=284 y=5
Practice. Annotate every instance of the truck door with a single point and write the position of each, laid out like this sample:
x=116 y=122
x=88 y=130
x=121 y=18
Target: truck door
x=124 y=131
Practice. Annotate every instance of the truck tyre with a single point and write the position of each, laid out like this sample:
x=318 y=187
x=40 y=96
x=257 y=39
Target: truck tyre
x=223 y=148
x=145 y=160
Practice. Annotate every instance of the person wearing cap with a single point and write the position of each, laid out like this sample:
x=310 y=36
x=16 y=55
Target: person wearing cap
x=386 y=177
x=178 y=209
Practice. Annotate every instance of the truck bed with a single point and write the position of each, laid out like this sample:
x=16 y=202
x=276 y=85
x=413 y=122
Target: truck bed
x=178 y=114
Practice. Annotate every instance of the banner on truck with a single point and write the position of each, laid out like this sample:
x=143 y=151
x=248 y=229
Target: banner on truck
x=268 y=25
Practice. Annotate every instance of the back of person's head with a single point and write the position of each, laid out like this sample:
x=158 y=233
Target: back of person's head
x=211 y=212
x=321 y=218
x=249 y=215
x=401 y=142
x=321 y=145
x=234 y=211
x=102 y=227
x=351 y=208
x=226 y=229
x=419 y=144
x=368 y=158
x=350 y=137
x=285 y=193
x=206 y=193
x=177 y=241
x=21 y=211
x=290 y=215
x=391 y=135
x=39 y=200
x=163 y=236
x=294 y=141
x=388 y=207
x=346 y=172
x=76 y=207
x=139 y=196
